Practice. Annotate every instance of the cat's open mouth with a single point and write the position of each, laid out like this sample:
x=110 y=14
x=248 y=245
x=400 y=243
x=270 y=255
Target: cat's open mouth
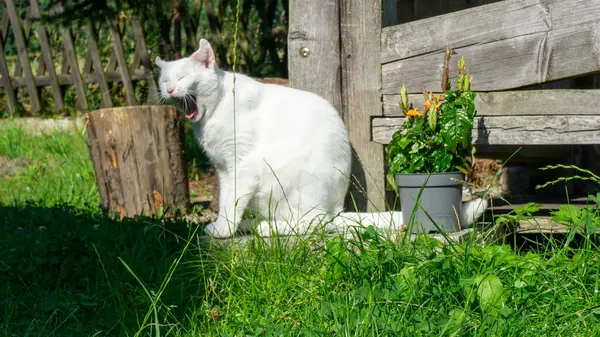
x=192 y=115
x=190 y=108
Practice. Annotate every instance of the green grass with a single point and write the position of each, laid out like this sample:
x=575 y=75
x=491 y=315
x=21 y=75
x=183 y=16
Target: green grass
x=60 y=169
x=67 y=269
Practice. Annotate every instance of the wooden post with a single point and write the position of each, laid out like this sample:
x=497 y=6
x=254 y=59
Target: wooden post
x=314 y=48
x=138 y=157
x=360 y=31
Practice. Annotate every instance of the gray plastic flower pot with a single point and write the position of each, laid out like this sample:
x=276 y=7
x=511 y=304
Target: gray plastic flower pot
x=441 y=198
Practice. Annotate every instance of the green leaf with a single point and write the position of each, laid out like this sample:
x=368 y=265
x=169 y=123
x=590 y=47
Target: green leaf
x=567 y=213
x=442 y=162
x=595 y=198
x=490 y=292
x=588 y=222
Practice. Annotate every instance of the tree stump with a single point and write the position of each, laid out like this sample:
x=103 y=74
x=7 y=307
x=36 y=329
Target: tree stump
x=138 y=155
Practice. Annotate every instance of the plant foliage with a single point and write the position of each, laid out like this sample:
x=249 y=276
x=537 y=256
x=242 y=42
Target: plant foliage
x=438 y=138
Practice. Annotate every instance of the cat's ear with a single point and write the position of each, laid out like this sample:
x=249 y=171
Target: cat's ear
x=159 y=62
x=205 y=55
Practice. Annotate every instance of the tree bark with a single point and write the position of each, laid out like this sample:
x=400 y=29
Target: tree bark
x=138 y=157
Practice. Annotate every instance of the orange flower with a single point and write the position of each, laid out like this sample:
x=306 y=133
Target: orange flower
x=428 y=104
x=413 y=113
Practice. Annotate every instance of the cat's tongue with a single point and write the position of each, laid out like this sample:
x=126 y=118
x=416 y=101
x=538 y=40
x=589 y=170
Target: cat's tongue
x=192 y=115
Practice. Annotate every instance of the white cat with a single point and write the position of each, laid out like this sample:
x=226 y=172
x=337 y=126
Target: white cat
x=292 y=151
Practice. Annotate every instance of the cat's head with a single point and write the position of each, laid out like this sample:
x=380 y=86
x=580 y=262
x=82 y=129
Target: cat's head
x=190 y=79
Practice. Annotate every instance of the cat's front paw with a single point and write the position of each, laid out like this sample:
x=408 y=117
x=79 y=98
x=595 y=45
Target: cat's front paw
x=219 y=230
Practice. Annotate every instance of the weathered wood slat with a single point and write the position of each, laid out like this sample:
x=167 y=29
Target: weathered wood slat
x=120 y=56
x=73 y=65
x=112 y=61
x=7 y=83
x=94 y=56
x=23 y=58
x=543 y=225
x=65 y=79
x=4 y=24
x=470 y=27
x=508 y=44
x=518 y=103
x=47 y=57
x=360 y=25
x=87 y=64
x=317 y=29
x=513 y=130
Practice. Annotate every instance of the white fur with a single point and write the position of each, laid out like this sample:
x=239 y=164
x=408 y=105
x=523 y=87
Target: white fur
x=292 y=150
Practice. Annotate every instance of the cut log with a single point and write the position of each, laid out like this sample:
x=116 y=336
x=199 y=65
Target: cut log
x=138 y=157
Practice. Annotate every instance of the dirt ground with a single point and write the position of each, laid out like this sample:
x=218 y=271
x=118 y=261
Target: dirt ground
x=10 y=166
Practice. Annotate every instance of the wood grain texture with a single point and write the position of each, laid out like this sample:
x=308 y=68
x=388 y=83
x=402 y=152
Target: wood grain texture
x=360 y=23
x=315 y=25
x=543 y=225
x=508 y=44
x=514 y=130
x=576 y=102
x=138 y=158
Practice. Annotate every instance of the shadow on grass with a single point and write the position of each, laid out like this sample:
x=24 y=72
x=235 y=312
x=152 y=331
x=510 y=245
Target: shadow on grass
x=60 y=272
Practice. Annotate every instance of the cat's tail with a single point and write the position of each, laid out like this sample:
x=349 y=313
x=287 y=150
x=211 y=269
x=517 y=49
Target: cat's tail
x=392 y=220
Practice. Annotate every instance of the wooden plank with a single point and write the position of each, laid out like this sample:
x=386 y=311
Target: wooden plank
x=112 y=61
x=120 y=56
x=508 y=44
x=508 y=130
x=360 y=31
x=543 y=225
x=71 y=58
x=87 y=64
x=4 y=24
x=519 y=103
x=66 y=79
x=64 y=64
x=7 y=83
x=47 y=57
x=94 y=55
x=477 y=25
x=41 y=70
x=315 y=27
x=23 y=58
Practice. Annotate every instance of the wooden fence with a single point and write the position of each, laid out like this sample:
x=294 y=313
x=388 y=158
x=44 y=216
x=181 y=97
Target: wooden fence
x=340 y=49
x=70 y=73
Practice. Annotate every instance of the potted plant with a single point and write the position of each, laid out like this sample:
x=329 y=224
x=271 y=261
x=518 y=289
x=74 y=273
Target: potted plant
x=431 y=153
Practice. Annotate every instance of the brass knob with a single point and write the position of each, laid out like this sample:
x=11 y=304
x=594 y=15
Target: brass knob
x=304 y=51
